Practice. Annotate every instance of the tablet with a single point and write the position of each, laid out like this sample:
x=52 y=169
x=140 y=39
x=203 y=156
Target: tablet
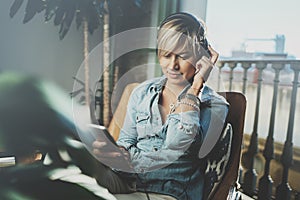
x=120 y=163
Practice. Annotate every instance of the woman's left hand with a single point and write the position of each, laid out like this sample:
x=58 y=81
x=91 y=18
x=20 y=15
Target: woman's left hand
x=203 y=69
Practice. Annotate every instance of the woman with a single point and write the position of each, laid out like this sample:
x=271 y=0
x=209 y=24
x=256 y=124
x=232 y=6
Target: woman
x=168 y=118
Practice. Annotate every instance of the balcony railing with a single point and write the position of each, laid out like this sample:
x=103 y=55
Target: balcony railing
x=273 y=80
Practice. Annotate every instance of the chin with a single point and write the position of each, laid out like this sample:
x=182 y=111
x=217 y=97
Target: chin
x=179 y=82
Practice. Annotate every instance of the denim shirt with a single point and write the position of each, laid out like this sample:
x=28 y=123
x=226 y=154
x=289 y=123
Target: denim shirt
x=166 y=156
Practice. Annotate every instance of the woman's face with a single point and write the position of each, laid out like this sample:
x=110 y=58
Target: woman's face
x=178 y=66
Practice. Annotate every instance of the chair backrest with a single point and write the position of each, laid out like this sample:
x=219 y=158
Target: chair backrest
x=118 y=118
x=235 y=117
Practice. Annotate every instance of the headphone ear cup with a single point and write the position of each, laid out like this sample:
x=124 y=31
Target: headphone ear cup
x=205 y=46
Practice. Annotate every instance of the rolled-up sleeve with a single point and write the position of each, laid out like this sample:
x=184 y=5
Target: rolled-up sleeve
x=128 y=134
x=182 y=130
x=213 y=119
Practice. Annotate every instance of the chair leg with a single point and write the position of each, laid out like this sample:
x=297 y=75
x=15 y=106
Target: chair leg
x=234 y=194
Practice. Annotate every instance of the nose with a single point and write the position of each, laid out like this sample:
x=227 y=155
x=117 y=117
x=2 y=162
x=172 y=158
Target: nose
x=174 y=65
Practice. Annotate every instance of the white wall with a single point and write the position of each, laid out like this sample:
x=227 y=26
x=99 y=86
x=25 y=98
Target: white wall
x=196 y=7
x=35 y=47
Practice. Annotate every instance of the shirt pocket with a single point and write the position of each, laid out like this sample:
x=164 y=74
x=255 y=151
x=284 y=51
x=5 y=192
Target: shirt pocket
x=142 y=124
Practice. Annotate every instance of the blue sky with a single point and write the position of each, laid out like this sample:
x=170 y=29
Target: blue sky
x=230 y=22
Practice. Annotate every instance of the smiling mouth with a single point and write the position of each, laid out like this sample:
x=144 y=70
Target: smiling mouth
x=174 y=74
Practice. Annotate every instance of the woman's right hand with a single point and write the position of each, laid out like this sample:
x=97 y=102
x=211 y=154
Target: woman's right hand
x=103 y=149
x=111 y=155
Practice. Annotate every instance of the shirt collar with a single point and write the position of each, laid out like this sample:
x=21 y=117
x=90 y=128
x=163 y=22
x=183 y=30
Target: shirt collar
x=157 y=86
x=204 y=95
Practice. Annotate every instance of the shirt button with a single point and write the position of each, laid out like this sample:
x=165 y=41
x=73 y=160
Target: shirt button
x=155 y=149
x=180 y=126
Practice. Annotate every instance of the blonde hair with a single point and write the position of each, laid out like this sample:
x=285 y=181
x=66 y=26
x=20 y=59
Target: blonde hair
x=182 y=31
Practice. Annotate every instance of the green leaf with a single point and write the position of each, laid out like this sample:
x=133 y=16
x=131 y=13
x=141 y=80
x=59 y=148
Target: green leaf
x=15 y=7
x=33 y=7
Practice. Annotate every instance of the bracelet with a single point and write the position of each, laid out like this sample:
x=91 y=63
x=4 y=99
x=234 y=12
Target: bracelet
x=190 y=104
x=194 y=98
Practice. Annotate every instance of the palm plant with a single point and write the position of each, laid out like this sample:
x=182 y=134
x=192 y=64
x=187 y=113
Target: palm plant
x=64 y=12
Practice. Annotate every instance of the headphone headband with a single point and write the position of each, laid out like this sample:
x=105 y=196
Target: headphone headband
x=194 y=21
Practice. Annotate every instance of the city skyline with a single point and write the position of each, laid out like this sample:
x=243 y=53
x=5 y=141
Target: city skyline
x=230 y=23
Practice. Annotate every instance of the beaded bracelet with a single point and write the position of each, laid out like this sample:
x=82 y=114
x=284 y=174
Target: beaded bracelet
x=190 y=104
x=194 y=98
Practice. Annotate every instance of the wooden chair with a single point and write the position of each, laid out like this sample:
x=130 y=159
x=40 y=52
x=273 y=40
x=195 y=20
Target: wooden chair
x=228 y=186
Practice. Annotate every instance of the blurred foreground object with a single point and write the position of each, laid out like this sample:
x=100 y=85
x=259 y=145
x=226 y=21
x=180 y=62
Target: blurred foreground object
x=36 y=120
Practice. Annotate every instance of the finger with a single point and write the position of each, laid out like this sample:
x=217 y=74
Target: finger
x=214 y=55
x=206 y=61
x=205 y=70
x=118 y=162
x=198 y=66
x=99 y=144
x=101 y=154
x=202 y=62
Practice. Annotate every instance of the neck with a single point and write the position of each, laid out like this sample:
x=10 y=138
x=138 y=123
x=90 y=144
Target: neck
x=175 y=89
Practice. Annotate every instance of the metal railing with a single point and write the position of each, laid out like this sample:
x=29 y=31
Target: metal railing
x=256 y=72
